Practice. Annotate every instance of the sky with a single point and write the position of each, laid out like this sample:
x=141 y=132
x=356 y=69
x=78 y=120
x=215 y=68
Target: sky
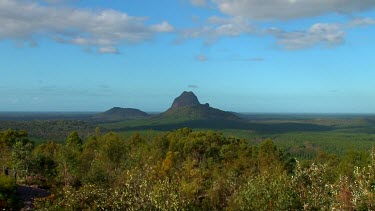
x=269 y=56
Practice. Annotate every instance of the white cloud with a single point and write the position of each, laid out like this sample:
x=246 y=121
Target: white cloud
x=108 y=50
x=321 y=33
x=361 y=22
x=217 y=28
x=20 y=20
x=163 y=27
x=327 y=34
x=243 y=17
x=290 y=9
x=26 y=21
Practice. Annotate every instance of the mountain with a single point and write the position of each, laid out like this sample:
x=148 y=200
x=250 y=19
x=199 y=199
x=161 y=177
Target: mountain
x=120 y=114
x=186 y=99
x=188 y=107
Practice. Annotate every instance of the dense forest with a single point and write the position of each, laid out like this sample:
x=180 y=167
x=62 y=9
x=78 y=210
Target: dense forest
x=181 y=170
x=57 y=130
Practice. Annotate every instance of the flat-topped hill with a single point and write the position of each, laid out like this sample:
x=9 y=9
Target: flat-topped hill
x=119 y=114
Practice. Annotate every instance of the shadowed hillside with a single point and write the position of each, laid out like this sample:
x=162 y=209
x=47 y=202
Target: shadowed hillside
x=120 y=114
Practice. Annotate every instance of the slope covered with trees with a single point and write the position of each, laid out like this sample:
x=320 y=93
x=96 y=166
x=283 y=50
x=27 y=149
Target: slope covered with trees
x=183 y=170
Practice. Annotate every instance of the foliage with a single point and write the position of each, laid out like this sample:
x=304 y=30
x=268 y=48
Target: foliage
x=44 y=130
x=8 y=197
x=190 y=169
x=358 y=193
x=312 y=189
x=68 y=160
x=267 y=192
x=74 y=140
x=45 y=164
x=21 y=157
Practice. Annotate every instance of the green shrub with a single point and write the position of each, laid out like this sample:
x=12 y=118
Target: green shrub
x=266 y=192
x=8 y=188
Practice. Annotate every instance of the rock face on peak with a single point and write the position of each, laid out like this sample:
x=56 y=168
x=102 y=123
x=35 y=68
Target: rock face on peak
x=188 y=107
x=186 y=99
x=119 y=114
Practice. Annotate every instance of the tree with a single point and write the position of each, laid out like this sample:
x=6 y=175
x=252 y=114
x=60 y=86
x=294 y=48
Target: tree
x=269 y=158
x=114 y=150
x=5 y=155
x=21 y=157
x=74 y=140
x=45 y=162
x=69 y=159
x=10 y=137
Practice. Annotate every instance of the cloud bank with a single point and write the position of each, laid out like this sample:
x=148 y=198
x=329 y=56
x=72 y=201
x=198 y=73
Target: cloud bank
x=326 y=34
x=103 y=30
x=290 y=9
x=244 y=17
x=218 y=27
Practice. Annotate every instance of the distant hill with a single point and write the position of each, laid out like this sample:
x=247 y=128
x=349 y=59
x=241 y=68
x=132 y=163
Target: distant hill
x=120 y=114
x=188 y=107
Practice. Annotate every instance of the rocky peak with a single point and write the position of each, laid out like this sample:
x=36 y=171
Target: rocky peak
x=186 y=99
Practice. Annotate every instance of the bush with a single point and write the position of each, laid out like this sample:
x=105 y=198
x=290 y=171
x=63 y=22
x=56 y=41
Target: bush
x=8 y=189
x=266 y=192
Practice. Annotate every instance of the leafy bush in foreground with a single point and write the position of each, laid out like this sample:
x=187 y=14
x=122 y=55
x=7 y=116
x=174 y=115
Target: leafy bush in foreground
x=8 y=188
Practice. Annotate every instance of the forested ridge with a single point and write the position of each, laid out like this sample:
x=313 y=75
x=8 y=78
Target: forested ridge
x=42 y=130
x=181 y=170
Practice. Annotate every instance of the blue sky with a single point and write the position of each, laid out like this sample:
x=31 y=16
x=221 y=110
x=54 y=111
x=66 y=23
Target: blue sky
x=239 y=55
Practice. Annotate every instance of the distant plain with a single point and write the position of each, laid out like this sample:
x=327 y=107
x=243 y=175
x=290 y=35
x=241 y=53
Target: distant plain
x=301 y=135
